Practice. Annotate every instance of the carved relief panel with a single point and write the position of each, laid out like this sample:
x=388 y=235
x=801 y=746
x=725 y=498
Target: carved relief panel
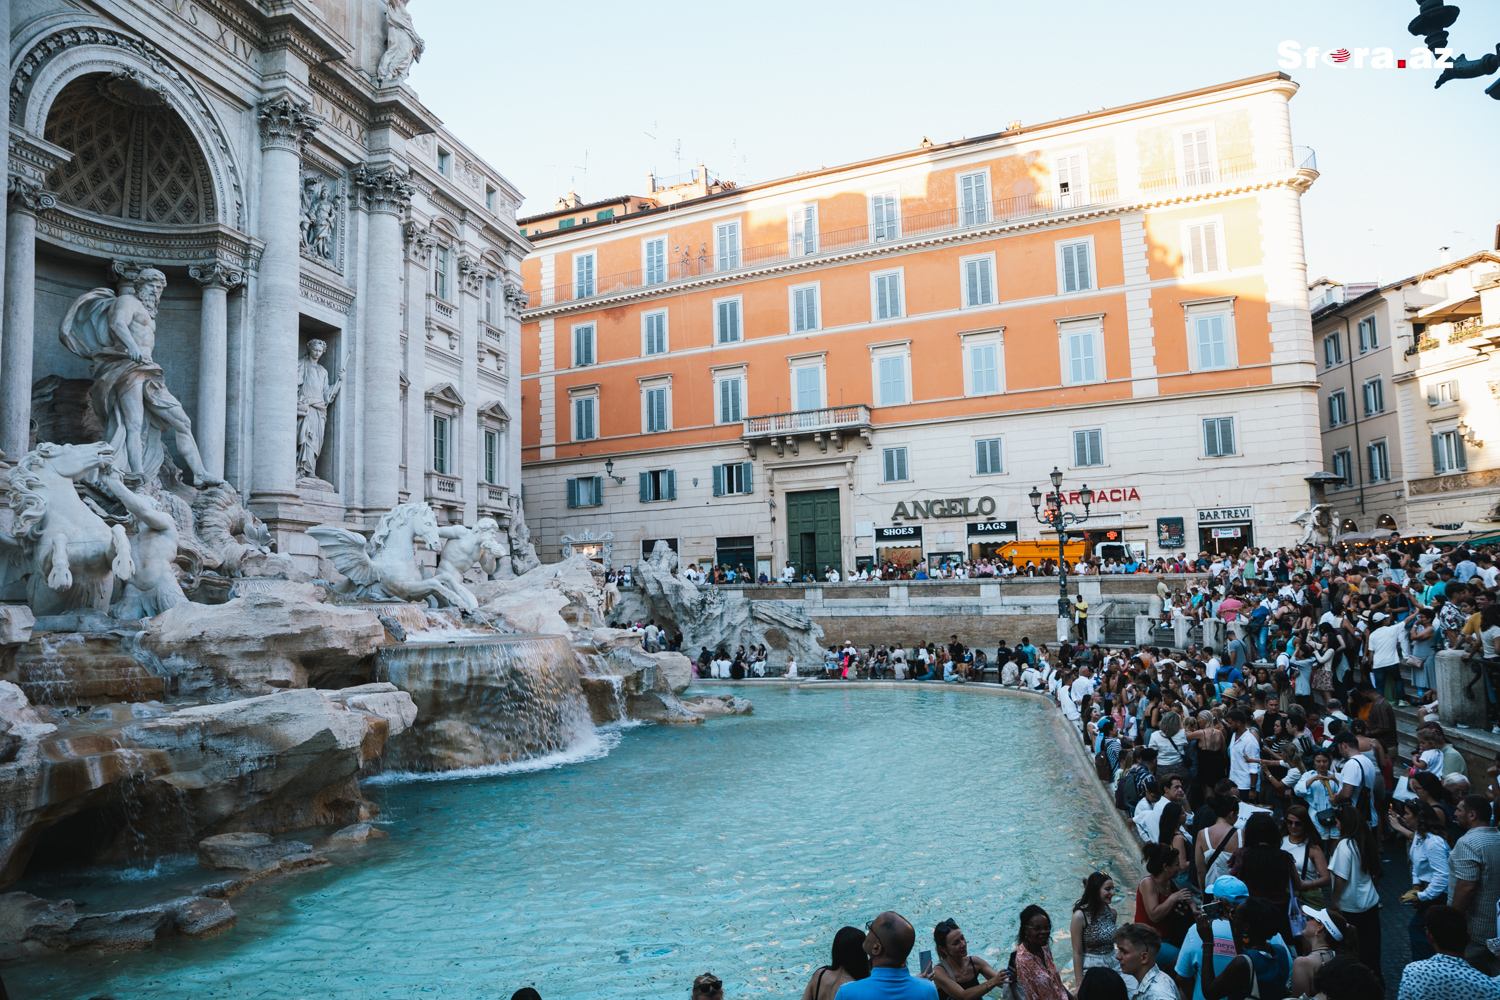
x=323 y=222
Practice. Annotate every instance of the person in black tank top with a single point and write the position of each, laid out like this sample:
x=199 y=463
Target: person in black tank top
x=957 y=974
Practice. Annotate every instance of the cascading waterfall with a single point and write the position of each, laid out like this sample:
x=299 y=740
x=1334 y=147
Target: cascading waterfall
x=484 y=701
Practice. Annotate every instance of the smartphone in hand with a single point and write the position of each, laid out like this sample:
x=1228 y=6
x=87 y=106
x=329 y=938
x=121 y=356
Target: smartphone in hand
x=925 y=961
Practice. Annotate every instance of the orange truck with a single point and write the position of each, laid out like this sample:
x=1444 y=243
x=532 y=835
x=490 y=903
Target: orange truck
x=1020 y=553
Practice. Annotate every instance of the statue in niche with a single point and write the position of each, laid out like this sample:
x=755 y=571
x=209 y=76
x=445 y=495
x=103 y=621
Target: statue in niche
x=403 y=46
x=153 y=545
x=319 y=216
x=117 y=333
x=314 y=395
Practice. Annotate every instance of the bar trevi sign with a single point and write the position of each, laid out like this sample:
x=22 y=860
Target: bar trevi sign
x=957 y=507
x=1222 y=515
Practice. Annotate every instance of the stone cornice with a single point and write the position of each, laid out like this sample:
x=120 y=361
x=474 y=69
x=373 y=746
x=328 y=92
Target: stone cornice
x=332 y=296
x=32 y=159
x=286 y=123
x=288 y=26
x=131 y=239
x=1297 y=181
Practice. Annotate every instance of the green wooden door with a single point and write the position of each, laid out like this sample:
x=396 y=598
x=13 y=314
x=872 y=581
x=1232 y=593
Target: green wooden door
x=812 y=530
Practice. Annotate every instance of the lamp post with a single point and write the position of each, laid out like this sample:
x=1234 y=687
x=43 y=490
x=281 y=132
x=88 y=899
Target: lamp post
x=1059 y=520
x=609 y=470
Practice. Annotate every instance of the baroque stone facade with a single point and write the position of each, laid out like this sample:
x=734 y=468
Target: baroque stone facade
x=275 y=168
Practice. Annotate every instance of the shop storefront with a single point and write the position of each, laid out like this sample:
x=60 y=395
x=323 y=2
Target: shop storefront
x=900 y=545
x=1224 y=531
x=987 y=539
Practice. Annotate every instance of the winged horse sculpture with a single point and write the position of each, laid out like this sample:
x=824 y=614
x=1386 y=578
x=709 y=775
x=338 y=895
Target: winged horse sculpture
x=386 y=565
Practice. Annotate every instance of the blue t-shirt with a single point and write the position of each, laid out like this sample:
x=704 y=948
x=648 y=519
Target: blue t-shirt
x=1190 y=958
x=888 y=984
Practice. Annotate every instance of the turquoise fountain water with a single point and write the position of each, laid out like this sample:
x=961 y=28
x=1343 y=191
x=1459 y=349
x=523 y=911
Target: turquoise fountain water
x=642 y=857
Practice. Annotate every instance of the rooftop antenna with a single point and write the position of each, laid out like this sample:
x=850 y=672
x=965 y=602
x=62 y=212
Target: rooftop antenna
x=585 y=169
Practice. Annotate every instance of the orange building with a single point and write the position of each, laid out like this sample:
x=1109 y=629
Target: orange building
x=880 y=360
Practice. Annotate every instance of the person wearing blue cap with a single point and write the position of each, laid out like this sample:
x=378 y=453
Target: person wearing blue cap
x=1228 y=892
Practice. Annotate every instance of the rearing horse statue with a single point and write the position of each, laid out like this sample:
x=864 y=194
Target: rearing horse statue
x=69 y=555
x=386 y=565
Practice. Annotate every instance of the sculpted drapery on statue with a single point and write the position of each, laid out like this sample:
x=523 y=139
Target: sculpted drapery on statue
x=403 y=46
x=314 y=396
x=118 y=333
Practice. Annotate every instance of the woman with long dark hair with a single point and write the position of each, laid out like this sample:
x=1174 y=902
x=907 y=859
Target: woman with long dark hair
x=1423 y=825
x=847 y=964
x=957 y=974
x=1265 y=868
x=1356 y=876
x=1301 y=840
x=1031 y=968
x=1093 y=927
x=1159 y=903
x=1169 y=831
x=1102 y=984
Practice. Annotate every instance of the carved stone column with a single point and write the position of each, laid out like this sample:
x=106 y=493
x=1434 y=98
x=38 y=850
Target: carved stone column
x=26 y=198
x=386 y=194
x=285 y=126
x=216 y=280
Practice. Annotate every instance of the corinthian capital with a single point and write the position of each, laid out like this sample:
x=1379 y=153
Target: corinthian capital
x=216 y=275
x=28 y=195
x=384 y=189
x=286 y=124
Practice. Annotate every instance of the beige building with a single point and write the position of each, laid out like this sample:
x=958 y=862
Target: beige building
x=1408 y=400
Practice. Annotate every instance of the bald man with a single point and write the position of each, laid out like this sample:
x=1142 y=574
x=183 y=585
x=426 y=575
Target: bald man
x=888 y=943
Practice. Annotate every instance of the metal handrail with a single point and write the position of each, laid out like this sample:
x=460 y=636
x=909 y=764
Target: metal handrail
x=693 y=263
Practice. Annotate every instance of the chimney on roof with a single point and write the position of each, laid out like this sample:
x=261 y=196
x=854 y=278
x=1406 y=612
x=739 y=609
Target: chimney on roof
x=1012 y=125
x=1444 y=257
x=926 y=143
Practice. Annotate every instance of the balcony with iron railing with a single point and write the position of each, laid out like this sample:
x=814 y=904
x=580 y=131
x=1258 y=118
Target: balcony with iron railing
x=690 y=264
x=830 y=425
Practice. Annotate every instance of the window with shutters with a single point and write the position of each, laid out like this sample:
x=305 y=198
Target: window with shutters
x=656 y=406
x=885 y=221
x=587 y=491
x=1211 y=344
x=1448 y=453
x=583 y=274
x=802 y=229
x=974 y=198
x=1338 y=408
x=654 y=259
x=585 y=412
x=492 y=456
x=987 y=457
x=727 y=246
x=1082 y=353
x=1374 y=397
x=727 y=320
x=982 y=373
x=1203 y=247
x=892 y=375
x=1369 y=337
x=1195 y=156
x=1088 y=448
x=604 y=215
x=491 y=291
x=804 y=308
x=1343 y=467
x=1070 y=175
x=1333 y=350
x=658 y=484
x=1218 y=437
x=1380 y=461
x=885 y=295
x=1075 y=266
x=654 y=332
x=444 y=162
x=1442 y=393
x=442 y=274
x=442 y=444
x=895 y=465
x=735 y=477
x=978 y=280
x=807 y=386
x=583 y=345
x=730 y=392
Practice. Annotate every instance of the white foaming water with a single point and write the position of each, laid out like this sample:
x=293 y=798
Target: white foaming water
x=595 y=745
x=447 y=635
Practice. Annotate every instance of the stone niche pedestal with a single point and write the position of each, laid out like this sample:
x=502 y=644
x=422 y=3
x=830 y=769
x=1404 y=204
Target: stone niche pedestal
x=317 y=502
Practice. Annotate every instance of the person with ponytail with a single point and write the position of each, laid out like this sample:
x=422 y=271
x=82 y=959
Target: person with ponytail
x=1327 y=936
x=1093 y=927
x=1159 y=904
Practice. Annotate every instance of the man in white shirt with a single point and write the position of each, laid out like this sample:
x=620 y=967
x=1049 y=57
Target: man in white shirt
x=1356 y=776
x=1244 y=750
x=1031 y=678
x=788 y=573
x=832 y=576
x=1148 y=822
x=1068 y=706
x=1136 y=947
x=1084 y=685
x=1383 y=650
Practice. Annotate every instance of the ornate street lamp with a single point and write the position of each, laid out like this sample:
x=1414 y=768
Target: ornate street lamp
x=609 y=470
x=1059 y=520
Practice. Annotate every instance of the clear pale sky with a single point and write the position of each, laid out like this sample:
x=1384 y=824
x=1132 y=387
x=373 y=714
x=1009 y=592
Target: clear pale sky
x=542 y=91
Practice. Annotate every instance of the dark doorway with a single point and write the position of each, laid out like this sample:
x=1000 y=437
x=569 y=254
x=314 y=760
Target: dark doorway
x=813 y=539
x=737 y=551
